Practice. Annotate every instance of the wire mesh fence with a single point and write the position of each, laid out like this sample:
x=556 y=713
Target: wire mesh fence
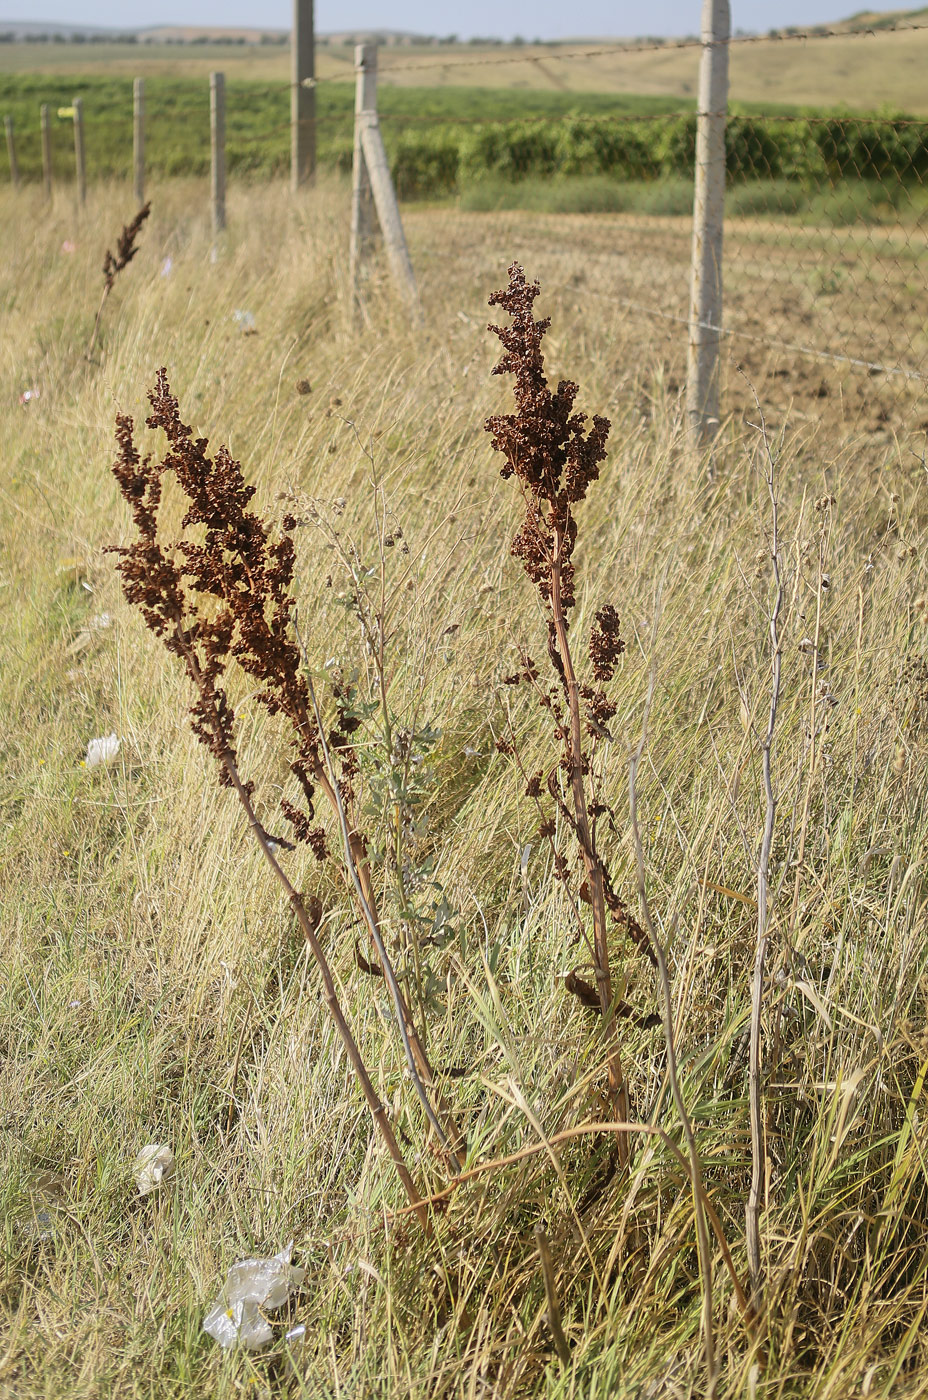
x=826 y=215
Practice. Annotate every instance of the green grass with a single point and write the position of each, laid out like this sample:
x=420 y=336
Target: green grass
x=257 y=119
x=154 y=987
x=590 y=194
x=847 y=206
x=496 y=148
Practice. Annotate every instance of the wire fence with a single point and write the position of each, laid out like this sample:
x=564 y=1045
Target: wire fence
x=825 y=258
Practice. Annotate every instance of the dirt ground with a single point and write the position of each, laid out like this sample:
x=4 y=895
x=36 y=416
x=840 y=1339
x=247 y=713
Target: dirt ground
x=827 y=325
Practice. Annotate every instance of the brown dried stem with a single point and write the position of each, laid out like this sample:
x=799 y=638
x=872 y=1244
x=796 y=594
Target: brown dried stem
x=308 y=926
x=555 y=458
x=228 y=598
x=755 y=1070
x=695 y=1166
x=554 y=1307
x=113 y=264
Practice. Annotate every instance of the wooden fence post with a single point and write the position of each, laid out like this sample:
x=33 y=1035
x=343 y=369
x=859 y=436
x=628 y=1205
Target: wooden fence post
x=46 y=149
x=370 y=154
x=702 y=376
x=80 y=164
x=217 y=133
x=11 y=152
x=362 y=205
x=302 y=96
x=138 y=138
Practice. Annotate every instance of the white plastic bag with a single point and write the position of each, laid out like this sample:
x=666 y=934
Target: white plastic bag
x=252 y=1285
x=102 y=750
x=152 y=1166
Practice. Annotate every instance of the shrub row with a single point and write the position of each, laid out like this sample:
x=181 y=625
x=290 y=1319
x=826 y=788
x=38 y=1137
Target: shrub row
x=442 y=160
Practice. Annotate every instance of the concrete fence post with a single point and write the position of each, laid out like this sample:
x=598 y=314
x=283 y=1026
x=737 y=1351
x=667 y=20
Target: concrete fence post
x=702 y=376
x=80 y=157
x=11 y=152
x=302 y=96
x=372 y=183
x=138 y=139
x=217 y=136
x=362 y=204
x=45 y=121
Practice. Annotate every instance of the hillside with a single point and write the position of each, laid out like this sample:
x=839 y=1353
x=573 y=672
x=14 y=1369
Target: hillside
x=863 y=71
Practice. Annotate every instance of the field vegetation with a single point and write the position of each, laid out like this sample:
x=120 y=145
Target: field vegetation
x=497 y=149
x=156 y=987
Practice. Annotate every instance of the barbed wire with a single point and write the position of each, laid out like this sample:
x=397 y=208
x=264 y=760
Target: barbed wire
x=558 y=55
x=733 y=332
x=245 y=148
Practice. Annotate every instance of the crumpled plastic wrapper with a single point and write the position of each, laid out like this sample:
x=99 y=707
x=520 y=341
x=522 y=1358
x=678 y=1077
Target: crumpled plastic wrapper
x=102 y=750
x=252 y=1285
x=152 y=1166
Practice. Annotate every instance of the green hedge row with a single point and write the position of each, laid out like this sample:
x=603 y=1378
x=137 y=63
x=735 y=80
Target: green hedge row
x=438 y=143
x=444 y=159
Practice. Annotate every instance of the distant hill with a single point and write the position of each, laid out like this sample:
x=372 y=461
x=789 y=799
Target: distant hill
x=253 y=34
x=24 y=30
x=882 y=19
x=796 y=68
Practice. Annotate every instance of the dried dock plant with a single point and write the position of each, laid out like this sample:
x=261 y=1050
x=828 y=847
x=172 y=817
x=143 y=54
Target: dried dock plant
x=114 y=263
x=554 y=457
x=220 y=595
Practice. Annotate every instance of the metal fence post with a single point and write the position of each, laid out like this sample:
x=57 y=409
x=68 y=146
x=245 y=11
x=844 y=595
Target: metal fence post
x=217 y=133
x=302 y=96
x=702 y=376
x=80 y=163
x=362 y=206
x=138 y=138
x=11 y=152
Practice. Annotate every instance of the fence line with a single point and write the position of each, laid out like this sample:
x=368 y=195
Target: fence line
x=782 y=234
x=555 y=55
x=733 y=333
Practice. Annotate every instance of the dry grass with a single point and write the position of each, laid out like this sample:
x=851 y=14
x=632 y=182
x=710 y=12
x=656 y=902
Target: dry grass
x=154 y=989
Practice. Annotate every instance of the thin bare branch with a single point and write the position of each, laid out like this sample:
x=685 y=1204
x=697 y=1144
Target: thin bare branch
x=695 y=1167
x=755 y=1076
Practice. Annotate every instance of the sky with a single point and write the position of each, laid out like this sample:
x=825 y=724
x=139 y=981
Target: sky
x=545 y=19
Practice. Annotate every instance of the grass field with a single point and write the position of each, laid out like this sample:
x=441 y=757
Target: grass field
x=154 y=986
x=452 y=139
x=257 y=119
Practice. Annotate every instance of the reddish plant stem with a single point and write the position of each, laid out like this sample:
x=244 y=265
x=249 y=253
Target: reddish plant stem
x=357 y=857
x=308 y=928
x=593 y=867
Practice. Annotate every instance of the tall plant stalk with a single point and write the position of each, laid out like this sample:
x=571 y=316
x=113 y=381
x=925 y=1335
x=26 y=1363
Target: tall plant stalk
x=225 y=595
x=555 y=459
x=755 y=1072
